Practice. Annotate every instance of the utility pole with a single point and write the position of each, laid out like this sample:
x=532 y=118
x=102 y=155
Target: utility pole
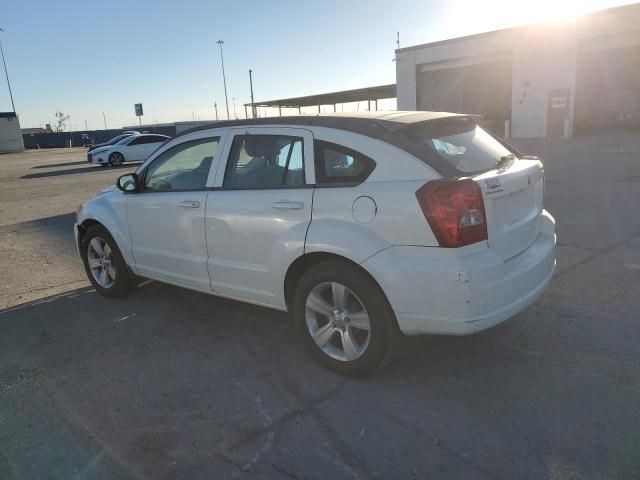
x=104 y=117
x=224 y=78
x=253 y=105
x=85 y=126
x=215 y=106
x=7 y=75
x=233 y=99
x=398 y=40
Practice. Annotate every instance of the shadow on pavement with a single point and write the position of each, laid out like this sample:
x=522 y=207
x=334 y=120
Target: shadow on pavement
x=65 y=164
x=58 y=226
x=90 y=168
x=169 y=383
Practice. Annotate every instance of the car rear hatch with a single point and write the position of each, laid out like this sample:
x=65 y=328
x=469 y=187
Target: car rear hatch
x=512 y=185
x=513 y=205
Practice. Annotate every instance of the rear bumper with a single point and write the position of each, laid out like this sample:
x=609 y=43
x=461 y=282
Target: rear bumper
x=437 y=291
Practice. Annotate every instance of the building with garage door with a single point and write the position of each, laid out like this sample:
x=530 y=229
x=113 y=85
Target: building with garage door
x=10 y=134
x=533 y=81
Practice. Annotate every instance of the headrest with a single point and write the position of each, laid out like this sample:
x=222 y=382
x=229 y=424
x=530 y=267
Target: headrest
x=261 y=146
x=205 y=164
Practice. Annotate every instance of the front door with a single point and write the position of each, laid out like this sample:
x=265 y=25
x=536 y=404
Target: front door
x=166 y=219
x=258 y=214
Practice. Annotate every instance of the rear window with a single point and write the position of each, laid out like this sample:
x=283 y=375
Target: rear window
x=336 y=164
x=462 y=143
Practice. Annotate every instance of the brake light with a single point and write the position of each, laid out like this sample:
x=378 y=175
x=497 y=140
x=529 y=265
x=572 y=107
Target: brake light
x=454 y=210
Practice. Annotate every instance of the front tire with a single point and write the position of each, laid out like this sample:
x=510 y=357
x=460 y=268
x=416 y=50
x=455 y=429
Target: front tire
x=104 y=264
x=345 y=319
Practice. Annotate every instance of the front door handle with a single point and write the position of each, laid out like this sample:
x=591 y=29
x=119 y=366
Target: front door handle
x=287 y=205
x=190 y=204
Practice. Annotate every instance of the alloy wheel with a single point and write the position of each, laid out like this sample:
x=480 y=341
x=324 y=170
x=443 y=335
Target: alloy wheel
x=100 y=260
x=117 y=159
x=337 y=321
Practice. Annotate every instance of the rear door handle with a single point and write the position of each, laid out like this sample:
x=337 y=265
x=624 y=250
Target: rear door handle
x=190 y=204
x=287 y=205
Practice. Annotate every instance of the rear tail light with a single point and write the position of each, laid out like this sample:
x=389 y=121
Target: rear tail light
x=454 y=210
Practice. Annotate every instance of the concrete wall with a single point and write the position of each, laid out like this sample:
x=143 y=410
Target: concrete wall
x=544 y=60
x=10 y=135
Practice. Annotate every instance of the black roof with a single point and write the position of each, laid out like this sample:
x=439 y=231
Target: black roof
x=391 y=127
x=372 y=124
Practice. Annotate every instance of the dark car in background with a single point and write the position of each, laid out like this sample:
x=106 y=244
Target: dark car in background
x=114 y=140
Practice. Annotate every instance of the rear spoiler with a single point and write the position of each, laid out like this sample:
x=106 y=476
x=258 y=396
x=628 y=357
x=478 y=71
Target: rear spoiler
x=393 y=127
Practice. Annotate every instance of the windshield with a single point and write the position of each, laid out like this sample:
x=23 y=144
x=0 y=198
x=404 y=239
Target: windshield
x=124 y=139
x=116 y=139
x=463 y=144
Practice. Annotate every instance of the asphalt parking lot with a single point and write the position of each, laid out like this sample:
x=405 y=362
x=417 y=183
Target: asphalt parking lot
x=171 y=384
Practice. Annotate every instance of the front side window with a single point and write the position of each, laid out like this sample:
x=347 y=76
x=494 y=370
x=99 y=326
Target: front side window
x=265 y=161
x=126 y=140
x=338 y=164
x=117 y=139
x=183 y=167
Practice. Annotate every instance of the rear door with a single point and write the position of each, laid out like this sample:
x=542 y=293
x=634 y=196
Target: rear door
x=151 y=145
x=135 y=148
x=258 y=213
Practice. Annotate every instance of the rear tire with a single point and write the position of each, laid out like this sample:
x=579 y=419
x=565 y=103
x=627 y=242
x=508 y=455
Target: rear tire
x=105 y=267
x=116 y=159
x=344 y=319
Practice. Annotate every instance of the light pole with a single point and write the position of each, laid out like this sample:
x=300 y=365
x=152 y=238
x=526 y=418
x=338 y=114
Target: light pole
x=224 y=78
x=253 y=105
x=7 y=74
x=233 y=99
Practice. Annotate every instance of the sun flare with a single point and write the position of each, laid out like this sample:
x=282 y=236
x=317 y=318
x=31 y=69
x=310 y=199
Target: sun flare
x=496 y=14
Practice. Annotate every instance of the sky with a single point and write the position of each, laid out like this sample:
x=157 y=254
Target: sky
x=86 y=57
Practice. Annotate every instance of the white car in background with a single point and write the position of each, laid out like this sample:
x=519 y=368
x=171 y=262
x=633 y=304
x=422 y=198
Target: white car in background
x=360 y=226
x=131 y=148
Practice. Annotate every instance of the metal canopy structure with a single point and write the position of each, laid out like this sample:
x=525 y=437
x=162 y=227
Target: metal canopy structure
x=367 y=94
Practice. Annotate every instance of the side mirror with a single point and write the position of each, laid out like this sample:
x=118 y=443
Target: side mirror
x=128 y=183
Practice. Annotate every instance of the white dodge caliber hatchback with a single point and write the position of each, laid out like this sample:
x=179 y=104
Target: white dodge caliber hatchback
x=362 y=227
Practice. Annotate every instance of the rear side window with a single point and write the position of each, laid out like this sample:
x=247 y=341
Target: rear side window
x=265 y=161
x=337 y=164
x=462 y=144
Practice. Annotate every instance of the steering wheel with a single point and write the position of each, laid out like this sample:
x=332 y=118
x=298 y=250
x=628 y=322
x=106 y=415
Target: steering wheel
x=162 y=185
